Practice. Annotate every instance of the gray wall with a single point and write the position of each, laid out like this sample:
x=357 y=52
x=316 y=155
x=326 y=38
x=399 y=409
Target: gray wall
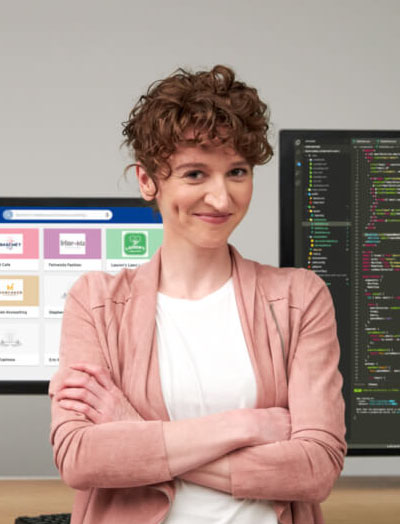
x=71 y=70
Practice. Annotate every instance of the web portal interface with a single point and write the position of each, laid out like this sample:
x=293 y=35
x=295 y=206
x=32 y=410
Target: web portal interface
x=43 y=251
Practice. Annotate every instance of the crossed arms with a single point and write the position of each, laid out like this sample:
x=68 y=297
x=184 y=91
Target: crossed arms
x=100 y=440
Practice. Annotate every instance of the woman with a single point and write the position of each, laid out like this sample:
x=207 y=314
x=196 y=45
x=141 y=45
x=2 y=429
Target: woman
x=200 y=387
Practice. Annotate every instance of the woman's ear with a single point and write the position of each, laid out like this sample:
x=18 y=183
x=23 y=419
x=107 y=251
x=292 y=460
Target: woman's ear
x=146 y=184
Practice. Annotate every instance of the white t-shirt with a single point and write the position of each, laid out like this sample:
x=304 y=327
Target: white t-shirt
x=205 y=368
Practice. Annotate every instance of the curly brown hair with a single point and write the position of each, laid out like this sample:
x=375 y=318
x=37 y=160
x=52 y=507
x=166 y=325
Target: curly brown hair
x=213 y=105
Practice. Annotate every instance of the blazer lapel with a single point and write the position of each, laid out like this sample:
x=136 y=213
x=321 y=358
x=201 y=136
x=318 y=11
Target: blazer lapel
x=275 y=313
x=251 y=312
x=142 y=360
x=264 y=321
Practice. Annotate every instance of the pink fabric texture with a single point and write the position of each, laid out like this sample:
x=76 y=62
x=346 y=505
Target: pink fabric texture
x=120 y=469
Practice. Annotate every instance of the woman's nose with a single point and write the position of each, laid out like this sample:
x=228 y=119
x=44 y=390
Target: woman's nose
x=217 y=196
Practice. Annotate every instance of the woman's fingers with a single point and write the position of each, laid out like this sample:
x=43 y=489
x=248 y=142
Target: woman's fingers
x=83 y=380
x=92 y=385
x=84 y=391
x=81 y=407
x=99 y=373
x=81 y=394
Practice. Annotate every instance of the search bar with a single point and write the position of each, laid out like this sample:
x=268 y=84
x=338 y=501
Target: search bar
x=57 y=214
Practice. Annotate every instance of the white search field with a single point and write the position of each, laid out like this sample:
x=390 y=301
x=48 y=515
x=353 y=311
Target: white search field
x=57 y=214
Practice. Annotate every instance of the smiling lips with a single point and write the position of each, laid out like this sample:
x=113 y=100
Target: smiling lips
x=214 y=218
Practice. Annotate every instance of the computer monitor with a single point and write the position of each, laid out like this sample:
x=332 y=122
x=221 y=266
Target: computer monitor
x=340 y=217
x=45 y=245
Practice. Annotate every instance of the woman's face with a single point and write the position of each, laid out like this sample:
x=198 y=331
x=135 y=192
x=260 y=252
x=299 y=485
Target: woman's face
x=206 y=196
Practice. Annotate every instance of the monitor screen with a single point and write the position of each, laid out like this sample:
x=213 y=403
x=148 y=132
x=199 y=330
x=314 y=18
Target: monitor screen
x=340 y=217
x=45 y=245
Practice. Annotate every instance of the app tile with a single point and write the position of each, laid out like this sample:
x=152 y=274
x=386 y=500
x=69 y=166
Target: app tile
x=127 y=248
x=19 y=249
x=19 y=296
x=72 y=249
x=56 y=288
x=19 y=344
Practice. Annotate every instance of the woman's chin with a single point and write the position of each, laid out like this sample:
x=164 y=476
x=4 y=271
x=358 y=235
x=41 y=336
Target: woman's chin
x=210 y=243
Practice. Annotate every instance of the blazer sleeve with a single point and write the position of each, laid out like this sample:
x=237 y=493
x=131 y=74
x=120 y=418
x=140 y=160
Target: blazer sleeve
x=111 y=455
x=305 y=467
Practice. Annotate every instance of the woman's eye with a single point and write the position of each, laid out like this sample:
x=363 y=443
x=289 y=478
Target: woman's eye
x=194 y=175
x=238 y=172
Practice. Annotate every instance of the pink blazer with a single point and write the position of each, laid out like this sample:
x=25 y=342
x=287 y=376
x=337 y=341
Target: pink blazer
x=120 y=469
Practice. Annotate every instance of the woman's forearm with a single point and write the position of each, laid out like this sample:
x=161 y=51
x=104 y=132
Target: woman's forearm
x=192 y=443
x=136 y=453
x=273 y=426
x=215 y=475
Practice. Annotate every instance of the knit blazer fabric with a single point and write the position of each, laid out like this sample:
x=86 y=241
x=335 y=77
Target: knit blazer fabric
x=120 y=469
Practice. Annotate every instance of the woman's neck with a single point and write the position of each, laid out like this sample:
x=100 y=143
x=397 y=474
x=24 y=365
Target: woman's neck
x=193 y=272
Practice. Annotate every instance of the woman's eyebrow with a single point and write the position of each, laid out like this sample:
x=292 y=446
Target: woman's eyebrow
x=201 y=165
x=195 y=165
x=240 y=163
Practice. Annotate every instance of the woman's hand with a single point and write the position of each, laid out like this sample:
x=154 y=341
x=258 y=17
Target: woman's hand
x=92 y=392
x=271 y=425
x=215 y=475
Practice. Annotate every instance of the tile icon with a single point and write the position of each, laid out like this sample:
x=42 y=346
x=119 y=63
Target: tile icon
x=10 y=340
x=134 y=244
x=12 y=289
x=11 y=244
x=72 y=243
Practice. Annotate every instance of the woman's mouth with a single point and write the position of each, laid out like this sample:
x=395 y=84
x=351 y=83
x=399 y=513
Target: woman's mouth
x=213 y=218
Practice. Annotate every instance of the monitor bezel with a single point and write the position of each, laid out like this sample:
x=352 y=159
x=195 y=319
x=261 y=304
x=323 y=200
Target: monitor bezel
x=40 y=387
x=286 y=215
